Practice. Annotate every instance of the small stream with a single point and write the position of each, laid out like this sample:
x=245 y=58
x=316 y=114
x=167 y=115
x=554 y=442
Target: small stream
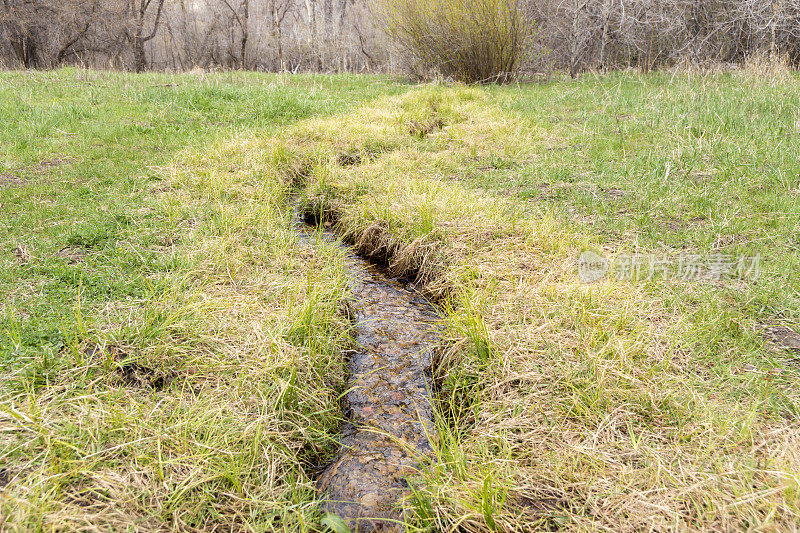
x=388 y=403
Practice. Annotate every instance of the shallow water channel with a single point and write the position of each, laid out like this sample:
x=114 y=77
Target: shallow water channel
x=388 y=400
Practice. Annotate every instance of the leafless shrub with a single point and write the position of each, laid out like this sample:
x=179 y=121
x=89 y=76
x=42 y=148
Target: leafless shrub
x=468 y=40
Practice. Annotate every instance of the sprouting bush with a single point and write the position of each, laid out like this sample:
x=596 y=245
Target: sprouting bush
x=471 y=41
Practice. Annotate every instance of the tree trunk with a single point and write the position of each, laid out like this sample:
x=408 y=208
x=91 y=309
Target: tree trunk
x=604 y=39
x=278 y=36
x=342 y=15
x=773 y=45
x=327 y=8
x=139 y=59
x=25 y=47
x=140 y=38
x=311 y=8
x=30 y=53
x=245 y=33
x=577 y=39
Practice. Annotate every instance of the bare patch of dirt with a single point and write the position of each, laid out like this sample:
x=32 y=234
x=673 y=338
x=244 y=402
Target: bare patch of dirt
x=72 y=255
x=5 y=477
x=349 y=160
x=22 y=253
x=130 y=373
x=782 y=337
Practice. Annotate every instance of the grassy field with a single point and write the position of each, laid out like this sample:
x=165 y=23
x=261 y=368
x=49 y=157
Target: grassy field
x=172 y=355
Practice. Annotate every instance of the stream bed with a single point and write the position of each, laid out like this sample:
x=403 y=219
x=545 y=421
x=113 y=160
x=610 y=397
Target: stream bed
x=388 y=402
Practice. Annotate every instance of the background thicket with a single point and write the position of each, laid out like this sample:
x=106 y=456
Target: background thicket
x=349 y=35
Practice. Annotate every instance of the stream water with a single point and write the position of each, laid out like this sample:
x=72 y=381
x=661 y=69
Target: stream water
x=388 y=403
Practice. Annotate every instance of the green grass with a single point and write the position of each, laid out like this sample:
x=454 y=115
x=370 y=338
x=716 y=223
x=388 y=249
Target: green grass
x=172 y=355
x=700 y=165
x=89 y=147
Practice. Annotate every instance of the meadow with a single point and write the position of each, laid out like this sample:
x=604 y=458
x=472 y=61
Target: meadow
x=172 y=357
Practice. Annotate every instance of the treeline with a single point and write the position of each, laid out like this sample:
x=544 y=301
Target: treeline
x=270 y=35
x=348 y=35
x=602 y=34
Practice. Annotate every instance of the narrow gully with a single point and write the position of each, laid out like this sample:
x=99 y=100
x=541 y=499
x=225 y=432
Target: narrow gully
x=390 y=419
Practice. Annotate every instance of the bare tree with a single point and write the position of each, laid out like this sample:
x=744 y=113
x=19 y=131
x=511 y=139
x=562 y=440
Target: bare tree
x=342 y=35
x=141 y=12
x=279 y=9
x=241 y=15
x=313 y=33
x=21 y=24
